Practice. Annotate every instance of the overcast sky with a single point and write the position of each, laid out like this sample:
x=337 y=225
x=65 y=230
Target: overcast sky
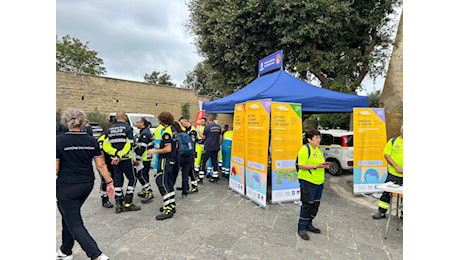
x=137 y=37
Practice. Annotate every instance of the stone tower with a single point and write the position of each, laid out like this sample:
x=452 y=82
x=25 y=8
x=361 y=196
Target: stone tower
x=392 y=94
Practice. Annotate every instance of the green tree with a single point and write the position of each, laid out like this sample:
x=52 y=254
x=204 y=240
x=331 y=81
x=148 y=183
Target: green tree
x=338 y=42
x=374 y=98
x=185 y=110
x=74 y=56
x=159 y=78
x=205 y=81
x=329 y=120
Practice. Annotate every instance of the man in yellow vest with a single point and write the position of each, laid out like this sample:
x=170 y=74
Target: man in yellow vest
x=199 y=148
x=117 y=143
x=393 y=153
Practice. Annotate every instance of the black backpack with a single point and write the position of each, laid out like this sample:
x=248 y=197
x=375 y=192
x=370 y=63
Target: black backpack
x=297 y=159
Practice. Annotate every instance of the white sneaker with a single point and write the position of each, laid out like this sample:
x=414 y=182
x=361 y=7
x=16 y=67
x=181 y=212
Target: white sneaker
x=62 y=256
x=103 y=257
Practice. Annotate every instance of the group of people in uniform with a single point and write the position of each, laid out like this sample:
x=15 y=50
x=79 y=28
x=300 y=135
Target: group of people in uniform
x=119 y=154
x=131 y=156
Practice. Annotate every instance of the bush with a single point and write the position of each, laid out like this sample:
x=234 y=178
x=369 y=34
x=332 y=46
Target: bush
x=97 y=117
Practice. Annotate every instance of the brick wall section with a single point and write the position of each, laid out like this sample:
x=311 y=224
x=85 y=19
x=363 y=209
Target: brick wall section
x=87 y=92
x=392 y=94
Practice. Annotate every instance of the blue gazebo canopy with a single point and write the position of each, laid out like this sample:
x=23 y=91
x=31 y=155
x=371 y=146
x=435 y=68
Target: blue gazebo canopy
x=282 y=87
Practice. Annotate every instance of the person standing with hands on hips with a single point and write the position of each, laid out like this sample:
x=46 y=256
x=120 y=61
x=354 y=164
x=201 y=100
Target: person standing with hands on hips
x=311 y=177
x=75 y=151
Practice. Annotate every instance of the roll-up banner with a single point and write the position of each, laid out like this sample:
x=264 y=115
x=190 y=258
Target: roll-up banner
x=237 y=163
x=257 y=135
x=369 y=140
x=286 y=140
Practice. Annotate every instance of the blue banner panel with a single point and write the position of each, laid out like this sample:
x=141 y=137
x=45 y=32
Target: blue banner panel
x=271 y=62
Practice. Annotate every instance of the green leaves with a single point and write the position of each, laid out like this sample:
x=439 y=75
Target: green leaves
x=338 y=42
x=159 y=78
x=74 y=56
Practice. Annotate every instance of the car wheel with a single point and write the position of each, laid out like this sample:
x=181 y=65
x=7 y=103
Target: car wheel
x=335 y=168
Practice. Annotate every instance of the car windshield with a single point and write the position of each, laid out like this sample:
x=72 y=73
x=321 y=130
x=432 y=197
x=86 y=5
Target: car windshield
x=151 y=119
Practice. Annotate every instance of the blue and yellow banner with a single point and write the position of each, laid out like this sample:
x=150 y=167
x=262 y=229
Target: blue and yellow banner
x=237 y=162
x=369 y=140
x=257 y=135
x=286 y=140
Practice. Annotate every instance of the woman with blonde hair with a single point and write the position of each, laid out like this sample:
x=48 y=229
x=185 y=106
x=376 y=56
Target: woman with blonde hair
x=75 y=151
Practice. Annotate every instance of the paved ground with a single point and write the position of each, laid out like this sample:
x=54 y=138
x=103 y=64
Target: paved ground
x=219 y=224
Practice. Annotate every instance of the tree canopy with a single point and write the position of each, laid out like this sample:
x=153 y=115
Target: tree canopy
x=337 y=42
x=74 y=56
x=160 y=78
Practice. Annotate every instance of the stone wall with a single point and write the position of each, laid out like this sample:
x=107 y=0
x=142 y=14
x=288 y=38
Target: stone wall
x=88 y=92
x=392 y=94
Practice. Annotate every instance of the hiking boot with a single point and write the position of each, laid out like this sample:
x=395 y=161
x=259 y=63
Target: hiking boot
x=193 y=190
x=148 y=197
x=129 y=205
x=118 y=204
x=163 y=209
x=167 y=213
x=379 y=215
x=313 y=229
x=303 y=234
x=142 y=193
x=107 y=204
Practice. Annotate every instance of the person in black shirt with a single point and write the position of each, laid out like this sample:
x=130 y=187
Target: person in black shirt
x=108 y=162
x=193 y=133
x=166 y=159
x=87 y=128
x=117 y=143
x=75 y=179
x=143 y=142
x=212 y=136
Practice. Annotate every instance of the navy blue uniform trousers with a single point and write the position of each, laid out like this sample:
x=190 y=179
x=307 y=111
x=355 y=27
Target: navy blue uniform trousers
x=310 y=197
x=70 y=198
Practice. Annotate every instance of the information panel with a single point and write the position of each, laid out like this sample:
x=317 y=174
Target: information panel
x=369 y=164
x=257 y=135
x=237 y=162
x=286 y=140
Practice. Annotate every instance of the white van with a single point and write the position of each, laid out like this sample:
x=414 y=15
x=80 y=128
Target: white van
x=337 y=146
x=132 y=119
